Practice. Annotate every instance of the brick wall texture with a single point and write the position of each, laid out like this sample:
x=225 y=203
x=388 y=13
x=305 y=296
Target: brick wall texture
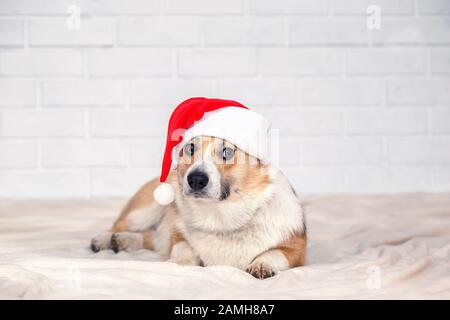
x=83 y=111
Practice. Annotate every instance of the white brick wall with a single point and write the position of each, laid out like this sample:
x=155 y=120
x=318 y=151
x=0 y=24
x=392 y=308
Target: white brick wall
x=48 y=32
x=84 y=112
x=41 y=63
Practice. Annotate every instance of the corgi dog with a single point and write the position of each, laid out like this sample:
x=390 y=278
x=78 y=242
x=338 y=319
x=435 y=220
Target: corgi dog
x=229 y=209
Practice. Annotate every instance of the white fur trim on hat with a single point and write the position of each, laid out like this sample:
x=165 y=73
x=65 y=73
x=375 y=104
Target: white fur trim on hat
x=244 y=128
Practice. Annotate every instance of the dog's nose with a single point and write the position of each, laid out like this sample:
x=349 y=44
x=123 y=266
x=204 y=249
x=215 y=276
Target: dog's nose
x=197 y=180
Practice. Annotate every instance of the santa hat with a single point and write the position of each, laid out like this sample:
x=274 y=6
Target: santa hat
x=226 y=119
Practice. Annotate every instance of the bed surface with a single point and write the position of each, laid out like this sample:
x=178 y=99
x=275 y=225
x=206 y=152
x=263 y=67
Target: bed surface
x=363 y=247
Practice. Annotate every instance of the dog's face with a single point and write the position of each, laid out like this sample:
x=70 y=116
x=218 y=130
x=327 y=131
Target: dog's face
x=212 y=169
x=220 y=182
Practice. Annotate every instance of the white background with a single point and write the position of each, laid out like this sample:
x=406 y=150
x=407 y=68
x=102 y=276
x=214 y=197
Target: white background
x=83 y=113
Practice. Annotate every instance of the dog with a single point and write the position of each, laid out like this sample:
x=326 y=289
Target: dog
x=230 y=209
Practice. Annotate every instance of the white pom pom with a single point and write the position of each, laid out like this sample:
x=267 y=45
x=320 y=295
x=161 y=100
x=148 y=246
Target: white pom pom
x=164 y=194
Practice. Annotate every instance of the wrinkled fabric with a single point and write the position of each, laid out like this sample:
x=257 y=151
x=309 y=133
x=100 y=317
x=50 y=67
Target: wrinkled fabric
x=360 y=247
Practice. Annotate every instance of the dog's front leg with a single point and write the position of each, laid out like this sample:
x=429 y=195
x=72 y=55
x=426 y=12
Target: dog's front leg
x=180 y=252
x=287 y=255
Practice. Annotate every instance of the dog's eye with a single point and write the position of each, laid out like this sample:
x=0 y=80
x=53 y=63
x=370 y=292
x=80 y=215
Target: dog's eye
x=227 y=153
x=190 y=148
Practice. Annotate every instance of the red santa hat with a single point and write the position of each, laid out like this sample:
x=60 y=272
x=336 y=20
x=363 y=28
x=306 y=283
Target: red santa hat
x=226 y=119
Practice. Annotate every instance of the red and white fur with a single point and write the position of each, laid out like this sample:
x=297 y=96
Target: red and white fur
x=247 y=216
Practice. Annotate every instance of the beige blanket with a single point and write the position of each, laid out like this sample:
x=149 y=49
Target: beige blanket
x=363 y=247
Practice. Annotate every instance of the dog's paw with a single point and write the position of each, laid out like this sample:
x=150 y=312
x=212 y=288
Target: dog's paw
x=126 y=241
x=101 y=241
x=260 y=270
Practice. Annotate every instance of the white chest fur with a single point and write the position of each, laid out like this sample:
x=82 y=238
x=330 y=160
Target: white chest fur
x=269 y=226
x=237 y=249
